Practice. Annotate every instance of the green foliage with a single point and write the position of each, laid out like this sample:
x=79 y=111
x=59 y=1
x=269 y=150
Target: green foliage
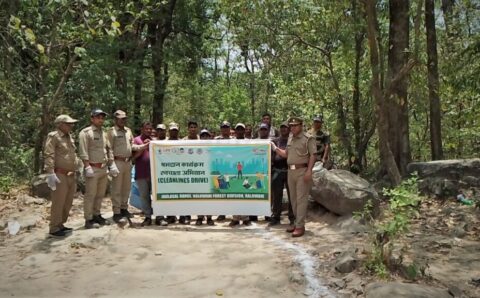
x=375 y=263
x=229 y=60
x=366 y=214
x=403 y=202
x=15 y=166
x=6 y=183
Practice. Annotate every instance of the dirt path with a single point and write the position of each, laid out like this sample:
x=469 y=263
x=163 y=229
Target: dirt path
x=256 y=261
x=176 y=261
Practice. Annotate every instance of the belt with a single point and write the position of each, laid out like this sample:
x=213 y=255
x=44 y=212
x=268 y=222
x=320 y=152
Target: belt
x=297 y=166
x=97 y=164
x=125 y=159
x=64 y=172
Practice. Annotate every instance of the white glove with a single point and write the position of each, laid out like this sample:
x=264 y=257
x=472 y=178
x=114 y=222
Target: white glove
x=89 y=172
x=114 y=170
x=274 y=147
x=52 y=181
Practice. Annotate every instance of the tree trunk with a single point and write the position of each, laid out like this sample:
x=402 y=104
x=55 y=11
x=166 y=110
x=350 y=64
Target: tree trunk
x=398 y=126
x=356 y=96
x=433 y=82
x=386 y=155
x=138 y=80
x=158 y=30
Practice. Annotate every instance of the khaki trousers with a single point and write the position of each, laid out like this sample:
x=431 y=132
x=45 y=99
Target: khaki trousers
x=299 y=192
x=95 y=188
x=62 y=199
x=121 y=186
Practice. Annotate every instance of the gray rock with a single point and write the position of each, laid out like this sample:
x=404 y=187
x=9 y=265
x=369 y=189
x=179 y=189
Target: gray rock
x=338 y=283
x=399 y=290
x=346 y=263
x=40 y=187
x=455 y=291
x=459 y=232
x=453 y=168
x=444 y=178
x=472 y=181
x=343 y=192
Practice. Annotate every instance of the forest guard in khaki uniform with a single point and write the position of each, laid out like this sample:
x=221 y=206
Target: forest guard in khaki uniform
x=322 y=139
x=301 y=156
x=60 y=164
x=95 y=154
x=120 y=140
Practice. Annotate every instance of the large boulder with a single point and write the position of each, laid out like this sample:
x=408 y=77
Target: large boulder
x=342 y=192
x=444 y=178
x=397 y=289
x=40 y=187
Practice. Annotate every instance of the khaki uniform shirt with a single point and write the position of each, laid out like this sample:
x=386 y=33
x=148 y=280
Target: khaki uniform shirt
x=300 y=148
x=120 y=140
x=94 y=145
x=187 y=138
x=59 y=152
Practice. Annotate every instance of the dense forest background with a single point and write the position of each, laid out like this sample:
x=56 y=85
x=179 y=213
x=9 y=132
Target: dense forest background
x=395 y=80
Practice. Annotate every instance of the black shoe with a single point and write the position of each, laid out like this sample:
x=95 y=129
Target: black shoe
x=268 y=218
x=210 y=222
x=221 y=218
x=125 y=213
x=171 y=219
x=59 y=233
x=273 y=222
x=100 y=220
x=199 y=222
x=247 y=223
x=147 y=222
x=66 y=230
x=91 y=224
x=117 y=217
x=187 y=220
x=159 y=221
x=253 y=218
x=233 y=223
x=181 y=220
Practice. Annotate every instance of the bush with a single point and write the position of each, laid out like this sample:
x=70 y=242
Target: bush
x=404 y=200
x=15 y=166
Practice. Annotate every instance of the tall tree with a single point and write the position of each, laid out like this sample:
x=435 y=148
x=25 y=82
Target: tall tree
x=386 y=156
x=159 y=28
x=433 y=82
x=398 y=49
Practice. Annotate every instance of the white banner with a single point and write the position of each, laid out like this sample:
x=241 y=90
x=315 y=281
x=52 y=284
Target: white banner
x=210 y=177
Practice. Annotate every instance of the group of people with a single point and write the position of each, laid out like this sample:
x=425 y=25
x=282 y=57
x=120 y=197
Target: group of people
x=114 y=151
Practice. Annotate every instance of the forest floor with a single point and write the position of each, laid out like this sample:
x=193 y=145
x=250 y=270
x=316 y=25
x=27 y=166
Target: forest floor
x=216 y=261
